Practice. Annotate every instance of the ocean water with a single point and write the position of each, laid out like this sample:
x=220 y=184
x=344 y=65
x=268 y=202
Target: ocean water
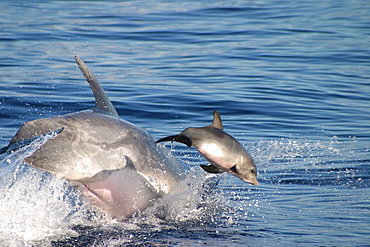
x=290 y=79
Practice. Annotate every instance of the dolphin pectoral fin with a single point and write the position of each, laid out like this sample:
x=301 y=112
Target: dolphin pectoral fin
x=20 y=144
x=177 y=138
x=211 y=169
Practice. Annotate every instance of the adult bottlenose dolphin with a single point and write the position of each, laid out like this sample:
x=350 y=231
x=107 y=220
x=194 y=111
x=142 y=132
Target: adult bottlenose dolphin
x=116 y=164
x=222 y=150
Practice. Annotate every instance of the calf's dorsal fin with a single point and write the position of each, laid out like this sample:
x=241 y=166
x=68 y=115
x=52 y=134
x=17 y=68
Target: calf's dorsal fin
x=217 y=123
x=102 y=102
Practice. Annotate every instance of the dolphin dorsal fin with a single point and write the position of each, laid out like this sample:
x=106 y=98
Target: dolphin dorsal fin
x=217 y=123
x=102 y=102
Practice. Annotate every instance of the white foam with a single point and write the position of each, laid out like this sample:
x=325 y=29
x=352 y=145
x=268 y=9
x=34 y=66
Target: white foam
x=37 y=207
x=34 y=204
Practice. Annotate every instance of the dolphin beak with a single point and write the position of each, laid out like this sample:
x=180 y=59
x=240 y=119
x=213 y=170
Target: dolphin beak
x=253 y=180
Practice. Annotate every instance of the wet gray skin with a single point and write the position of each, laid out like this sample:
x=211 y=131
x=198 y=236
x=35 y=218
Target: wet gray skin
x=222 y=150
x=116 y=164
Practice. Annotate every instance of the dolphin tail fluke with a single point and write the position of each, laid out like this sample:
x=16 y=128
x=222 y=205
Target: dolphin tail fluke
x=3 y=150
x=177 y=138
x=102 y=102
x=167 y=139
x=211 y=169
x=20 y=144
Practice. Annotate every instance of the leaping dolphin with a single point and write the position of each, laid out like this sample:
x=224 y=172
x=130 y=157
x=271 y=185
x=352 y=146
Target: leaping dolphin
x=116 y=164
x=222 y=150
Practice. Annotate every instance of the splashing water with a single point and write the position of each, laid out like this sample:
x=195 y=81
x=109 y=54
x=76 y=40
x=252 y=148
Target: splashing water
x=34 y=203
x=39 y=208
x=315 y=162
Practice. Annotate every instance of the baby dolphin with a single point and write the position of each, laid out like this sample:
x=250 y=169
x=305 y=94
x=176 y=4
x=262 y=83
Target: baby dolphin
x=222 y=150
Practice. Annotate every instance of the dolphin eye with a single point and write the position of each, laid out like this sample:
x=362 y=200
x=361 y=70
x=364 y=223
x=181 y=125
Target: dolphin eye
x=234 y=169
x=253 y=171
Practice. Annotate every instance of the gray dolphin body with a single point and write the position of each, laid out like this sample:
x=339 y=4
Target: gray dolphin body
x=117 y=165
x=222 y=150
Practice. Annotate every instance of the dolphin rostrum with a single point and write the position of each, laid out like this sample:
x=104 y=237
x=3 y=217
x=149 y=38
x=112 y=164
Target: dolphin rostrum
x=116 y=164
x=222 y=150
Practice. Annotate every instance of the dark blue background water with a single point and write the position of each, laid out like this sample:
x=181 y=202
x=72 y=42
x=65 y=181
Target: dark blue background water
x=290 y=79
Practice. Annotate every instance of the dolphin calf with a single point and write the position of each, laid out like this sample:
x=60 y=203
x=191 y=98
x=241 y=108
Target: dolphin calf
x=222 y=150
x=116 y=164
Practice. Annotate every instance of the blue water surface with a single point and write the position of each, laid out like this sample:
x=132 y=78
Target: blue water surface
x=290 y=79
